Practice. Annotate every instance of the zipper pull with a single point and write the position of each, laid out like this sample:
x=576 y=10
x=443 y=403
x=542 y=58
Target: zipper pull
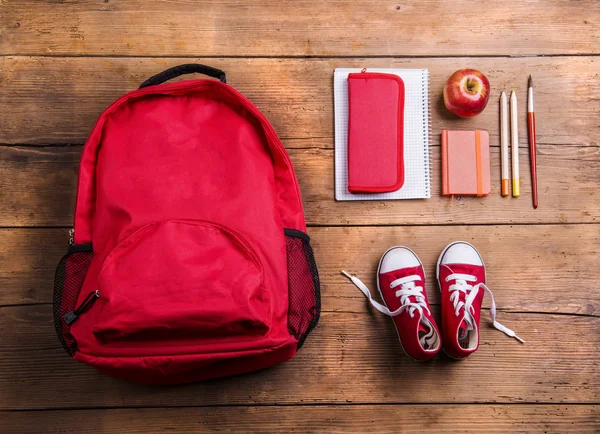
x=362 y=71
x=71 y=236
x=91 y=298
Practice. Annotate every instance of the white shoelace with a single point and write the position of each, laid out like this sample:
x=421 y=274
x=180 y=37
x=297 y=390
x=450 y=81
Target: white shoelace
x=408 y=288
x=471 y=293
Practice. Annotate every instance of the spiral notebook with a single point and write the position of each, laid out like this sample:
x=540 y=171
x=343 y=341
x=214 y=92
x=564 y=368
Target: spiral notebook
x=416 y=135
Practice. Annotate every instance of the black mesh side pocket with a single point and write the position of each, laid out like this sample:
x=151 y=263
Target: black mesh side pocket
x=68 y=281
x=303 y=283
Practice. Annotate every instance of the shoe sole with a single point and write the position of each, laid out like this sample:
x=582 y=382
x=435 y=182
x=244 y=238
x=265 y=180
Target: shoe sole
x=383 y=299
x=437 y=272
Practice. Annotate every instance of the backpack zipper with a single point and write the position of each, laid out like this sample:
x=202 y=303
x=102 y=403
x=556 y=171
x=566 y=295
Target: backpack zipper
x=71 y=236
x=91 y=298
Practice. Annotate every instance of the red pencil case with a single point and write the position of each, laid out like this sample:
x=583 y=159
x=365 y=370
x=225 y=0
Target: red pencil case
x=375 y=132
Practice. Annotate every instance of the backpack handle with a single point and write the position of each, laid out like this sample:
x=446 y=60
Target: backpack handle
x=189 y=68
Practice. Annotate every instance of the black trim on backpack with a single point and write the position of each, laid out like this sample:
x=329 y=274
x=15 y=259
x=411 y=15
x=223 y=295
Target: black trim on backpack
x=297 y=233
x=304 y=290
x=74 y=248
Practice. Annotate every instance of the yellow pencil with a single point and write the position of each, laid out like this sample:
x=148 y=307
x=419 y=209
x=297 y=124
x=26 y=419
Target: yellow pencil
x=505 y=188
x=514 y=144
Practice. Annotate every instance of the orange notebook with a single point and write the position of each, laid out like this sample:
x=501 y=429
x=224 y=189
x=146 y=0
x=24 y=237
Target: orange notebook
x=465 y=163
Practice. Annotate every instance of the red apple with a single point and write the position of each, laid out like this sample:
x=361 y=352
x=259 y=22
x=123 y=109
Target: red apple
x=466 y=92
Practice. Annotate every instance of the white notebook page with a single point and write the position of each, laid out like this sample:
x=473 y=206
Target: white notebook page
x=416 y=135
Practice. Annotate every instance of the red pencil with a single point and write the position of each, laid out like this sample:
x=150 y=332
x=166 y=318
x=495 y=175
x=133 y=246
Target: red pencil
x=532 y=150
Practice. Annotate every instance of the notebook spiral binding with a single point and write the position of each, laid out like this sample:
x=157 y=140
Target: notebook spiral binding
x=427 y=131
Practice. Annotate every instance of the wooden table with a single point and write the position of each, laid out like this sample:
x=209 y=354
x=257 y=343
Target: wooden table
x=62 y=63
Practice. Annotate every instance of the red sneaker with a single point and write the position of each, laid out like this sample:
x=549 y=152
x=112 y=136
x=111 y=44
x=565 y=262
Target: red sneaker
x=461 y=277
x=401 y=283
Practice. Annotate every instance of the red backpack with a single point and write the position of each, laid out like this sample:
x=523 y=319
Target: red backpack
x=189 y=257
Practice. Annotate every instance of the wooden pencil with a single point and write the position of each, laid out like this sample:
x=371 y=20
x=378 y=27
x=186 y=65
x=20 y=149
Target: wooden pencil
x=505 y=187
x=514 y=134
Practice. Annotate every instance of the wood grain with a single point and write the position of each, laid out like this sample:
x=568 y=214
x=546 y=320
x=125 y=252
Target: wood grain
x=534 y=280
x=38 y=188
x=57 y=100
x=63 y=62
x=568 y=190
x=349 y=358
x=448 y=418
x=291 y=28
x=538 y=279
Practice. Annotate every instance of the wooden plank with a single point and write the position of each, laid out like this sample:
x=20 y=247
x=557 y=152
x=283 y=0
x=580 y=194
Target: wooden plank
x=568 y=193
x=291 y=28
x=528 y=267
x=50 y=197
x=42 y=183
x=57 y=100
x=340 y=419
x=29 y=259
x=349 y=358
x=548 y=259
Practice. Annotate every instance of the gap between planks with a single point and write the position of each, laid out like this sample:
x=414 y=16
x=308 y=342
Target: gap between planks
x=302 y=404
x=374 y=225
x=307 y=57
x=499 y=309
x=301 y=148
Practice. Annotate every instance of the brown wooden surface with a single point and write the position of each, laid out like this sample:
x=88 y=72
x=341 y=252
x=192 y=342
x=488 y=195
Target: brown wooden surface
x=57 y=100
x=319 y=419
x=299 y=28
x=351 y=358
x=62 y=63
x=547 y=253
x=40 y=182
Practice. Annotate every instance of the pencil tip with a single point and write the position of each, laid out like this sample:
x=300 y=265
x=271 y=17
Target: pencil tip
x=530 y=82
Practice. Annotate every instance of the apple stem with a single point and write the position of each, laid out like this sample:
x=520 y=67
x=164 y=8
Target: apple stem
x=470 y=85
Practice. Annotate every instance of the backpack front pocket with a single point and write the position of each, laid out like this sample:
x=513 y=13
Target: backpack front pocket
x=179 y=282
